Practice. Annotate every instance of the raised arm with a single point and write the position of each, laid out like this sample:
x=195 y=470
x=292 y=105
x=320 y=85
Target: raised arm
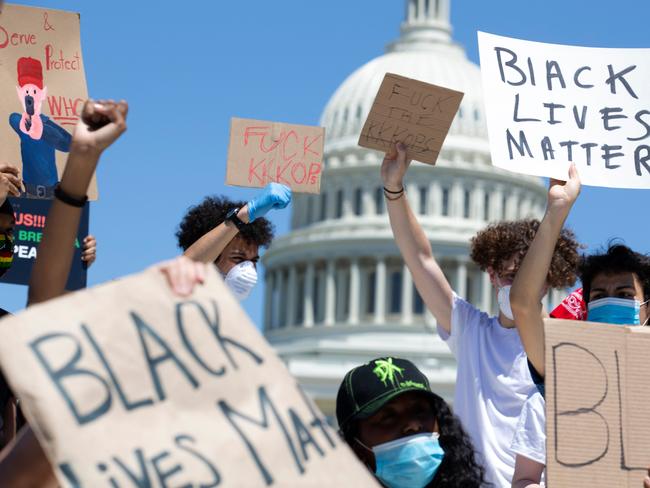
x=208 y=248
x=530 y=282
x=100 y=125
x=413 y=243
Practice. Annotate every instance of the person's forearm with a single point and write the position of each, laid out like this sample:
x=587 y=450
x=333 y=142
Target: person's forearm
x=23 y=463
x=416 y=251
x=55 y=253
x=529 y=283
x=208 y=248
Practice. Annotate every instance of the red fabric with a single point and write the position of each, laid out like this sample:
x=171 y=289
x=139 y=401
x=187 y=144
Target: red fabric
x=572 y=307
x=30 y=71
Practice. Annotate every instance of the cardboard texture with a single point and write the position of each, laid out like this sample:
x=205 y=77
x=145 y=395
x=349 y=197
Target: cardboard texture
x=31 y=215
x=548 y=105
x=127 y=381
x=261 y=152
x=597 y=396
x=41 y=72
x=412 y=112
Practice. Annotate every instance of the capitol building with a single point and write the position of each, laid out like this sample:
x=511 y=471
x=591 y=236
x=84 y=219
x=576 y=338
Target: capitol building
x=337 y=291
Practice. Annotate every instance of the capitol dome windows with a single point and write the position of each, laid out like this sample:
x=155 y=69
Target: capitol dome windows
x=444 y=209
x=323 y=207
x=358 y=202
x=340 y=197
x=423 y=194
x=466 y=204
x=379 y=200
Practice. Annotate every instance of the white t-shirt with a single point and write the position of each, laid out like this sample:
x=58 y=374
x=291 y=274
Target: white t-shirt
x=530 y=437
x=492 y=384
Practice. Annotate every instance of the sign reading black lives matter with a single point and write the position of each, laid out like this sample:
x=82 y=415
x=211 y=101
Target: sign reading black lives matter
x=549 y=105
x=128 y=385
x=31 y=215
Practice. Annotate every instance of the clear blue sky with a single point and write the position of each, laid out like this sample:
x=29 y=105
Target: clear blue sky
x=187 y=67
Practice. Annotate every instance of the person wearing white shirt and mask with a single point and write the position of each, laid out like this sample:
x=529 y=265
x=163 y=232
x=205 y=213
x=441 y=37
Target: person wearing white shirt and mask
x=230 y=234
x=493 y=380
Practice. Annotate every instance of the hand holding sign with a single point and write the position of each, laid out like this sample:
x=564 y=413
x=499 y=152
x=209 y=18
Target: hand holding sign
x=10 y=182
x=412 y=112
x=394 y=167
x=273 y=196
x=563 y=194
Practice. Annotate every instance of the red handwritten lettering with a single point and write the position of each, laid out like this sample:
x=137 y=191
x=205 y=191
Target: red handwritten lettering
x=284 y=146
x=253 y=168
x=279 y=173
x=16 y=38
x=254 y=131
x=314 y=171
x=307 y=147
x=301 y=166
x=61 y=63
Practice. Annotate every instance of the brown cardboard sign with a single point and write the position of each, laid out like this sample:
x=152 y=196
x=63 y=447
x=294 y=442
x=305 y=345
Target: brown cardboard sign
x=127 y=384
x=42 y=92
x=412 y=112
x=261 y=152
x=597 y=398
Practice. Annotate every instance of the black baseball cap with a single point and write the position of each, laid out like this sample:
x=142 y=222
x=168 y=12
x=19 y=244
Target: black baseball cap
x=367 y=388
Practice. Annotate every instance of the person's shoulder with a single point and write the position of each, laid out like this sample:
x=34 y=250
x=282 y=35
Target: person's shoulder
x=4 y=312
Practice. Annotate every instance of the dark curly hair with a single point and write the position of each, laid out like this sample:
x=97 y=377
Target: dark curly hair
x=616 y=259
x=459 y=468
x=202 y=218
x=499 y=242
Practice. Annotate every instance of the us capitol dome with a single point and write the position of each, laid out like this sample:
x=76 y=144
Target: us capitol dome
x=337 y=291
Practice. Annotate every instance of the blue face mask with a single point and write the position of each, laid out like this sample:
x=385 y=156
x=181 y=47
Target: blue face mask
x=409 y=462
x=610 y=310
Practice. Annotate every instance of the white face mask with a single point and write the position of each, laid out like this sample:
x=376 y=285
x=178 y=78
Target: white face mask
x=241 y=279
x=503 y=297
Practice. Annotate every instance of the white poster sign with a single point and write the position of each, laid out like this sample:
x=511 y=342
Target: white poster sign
x=548 y=105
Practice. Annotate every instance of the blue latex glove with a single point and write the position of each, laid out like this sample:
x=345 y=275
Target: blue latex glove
x=274 y=195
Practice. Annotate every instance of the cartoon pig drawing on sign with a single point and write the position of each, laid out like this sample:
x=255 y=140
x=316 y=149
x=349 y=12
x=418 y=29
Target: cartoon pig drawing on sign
x=39 y=136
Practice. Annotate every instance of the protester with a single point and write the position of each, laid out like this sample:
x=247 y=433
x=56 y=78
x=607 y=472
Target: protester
x=616 y=289
x=402 y=431
x=11 y=185
x=493 y=380
x=229 y=234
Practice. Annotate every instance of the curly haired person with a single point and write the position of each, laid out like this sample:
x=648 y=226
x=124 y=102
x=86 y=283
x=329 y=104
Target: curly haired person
x=493 y=379
x=230 y=234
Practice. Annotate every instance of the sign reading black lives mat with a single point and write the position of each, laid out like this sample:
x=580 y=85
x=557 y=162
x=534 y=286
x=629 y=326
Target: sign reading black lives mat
x=31 y=215
x=128 y=385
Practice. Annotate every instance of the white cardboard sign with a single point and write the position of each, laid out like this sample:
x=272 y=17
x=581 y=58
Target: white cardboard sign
x=548 y=105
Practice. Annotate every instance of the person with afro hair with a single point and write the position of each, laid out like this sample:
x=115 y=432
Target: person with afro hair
x=230 y=234
x=616 y=289
x=493 y=379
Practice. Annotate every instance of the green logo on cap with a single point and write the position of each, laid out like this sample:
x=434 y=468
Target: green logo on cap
x=386 y=371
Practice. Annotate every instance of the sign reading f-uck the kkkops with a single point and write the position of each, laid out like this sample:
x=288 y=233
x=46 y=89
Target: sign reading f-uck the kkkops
x=548 y=106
